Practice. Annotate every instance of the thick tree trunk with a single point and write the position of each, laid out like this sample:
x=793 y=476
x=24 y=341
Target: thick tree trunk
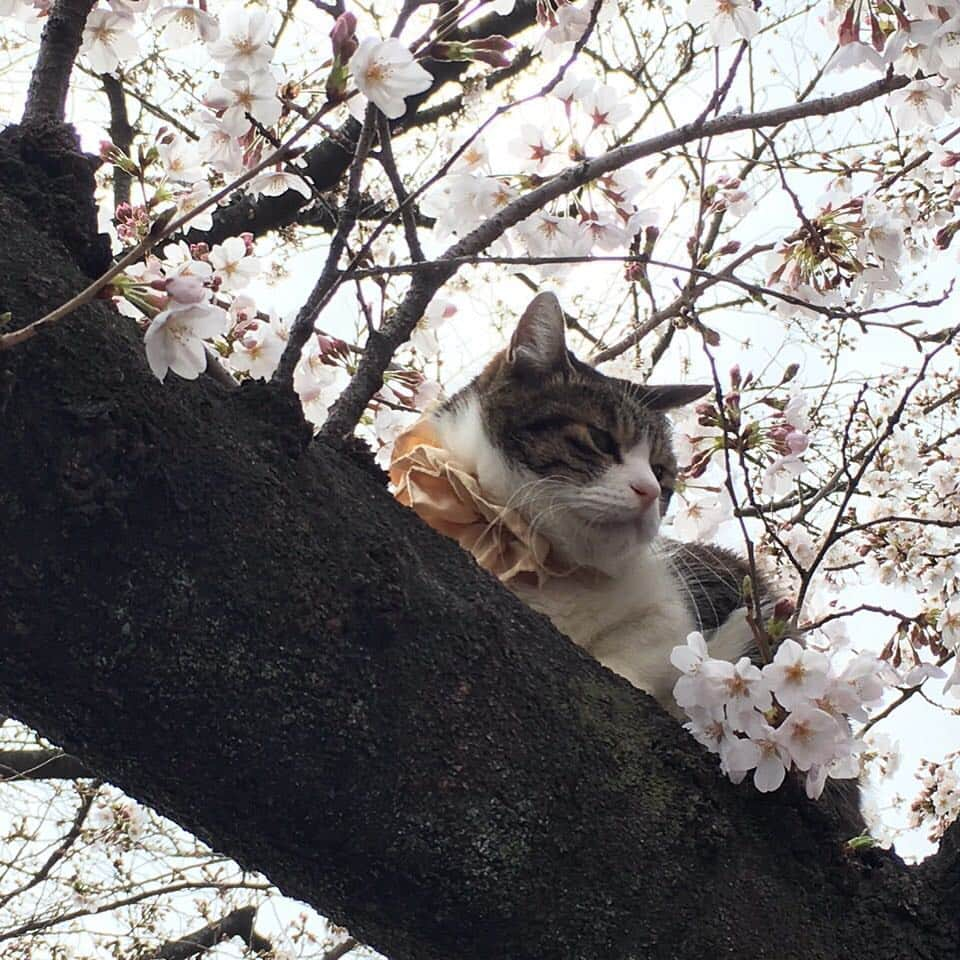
x=244 y=630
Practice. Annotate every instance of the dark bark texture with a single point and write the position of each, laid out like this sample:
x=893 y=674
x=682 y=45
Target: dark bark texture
x=243 y=629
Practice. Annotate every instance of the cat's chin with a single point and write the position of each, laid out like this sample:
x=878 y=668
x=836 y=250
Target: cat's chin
x=607 y=546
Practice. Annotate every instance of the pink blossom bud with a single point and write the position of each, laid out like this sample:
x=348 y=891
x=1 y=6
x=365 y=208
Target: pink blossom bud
x=106 y=150
x=186 y=289
x=797 y=442
x=735 y=377
x=449 y=50
x=200 y=251
x=344 y=37
x=849 y=31
x=784 y=609
x=731 y=247
x=943 y=238
x=491 y=50
x=247 y=239
x=876 y=34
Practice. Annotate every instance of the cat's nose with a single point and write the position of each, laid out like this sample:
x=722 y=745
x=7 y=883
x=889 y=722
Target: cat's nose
x=646 y=490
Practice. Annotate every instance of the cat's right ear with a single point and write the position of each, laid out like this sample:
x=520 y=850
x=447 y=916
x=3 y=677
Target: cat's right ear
x=538 y=345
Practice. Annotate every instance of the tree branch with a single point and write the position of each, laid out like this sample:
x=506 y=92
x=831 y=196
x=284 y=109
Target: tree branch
x=41 y=765
x=121 y=134
x=59 y=46
x=238 y=923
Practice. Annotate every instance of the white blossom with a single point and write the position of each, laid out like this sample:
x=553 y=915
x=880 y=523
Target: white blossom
x=258 y=349
x=244 y=42
x=107 y=39
x=174 y=339
x=919 y=104
x=185 y=23
x=385 y=73
x=809 y=736
x=231 y=263
x=238 y=95
x=276 y=182
x=727 y=20
x=796 y=675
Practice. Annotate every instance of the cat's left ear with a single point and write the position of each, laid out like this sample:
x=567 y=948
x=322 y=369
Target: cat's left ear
x=669 y=396
x=538 y=345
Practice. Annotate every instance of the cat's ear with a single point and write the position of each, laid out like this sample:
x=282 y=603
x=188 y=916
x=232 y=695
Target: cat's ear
x=669 y=396
x=538 y=344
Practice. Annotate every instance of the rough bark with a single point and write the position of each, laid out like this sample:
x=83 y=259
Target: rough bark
x=244 y=630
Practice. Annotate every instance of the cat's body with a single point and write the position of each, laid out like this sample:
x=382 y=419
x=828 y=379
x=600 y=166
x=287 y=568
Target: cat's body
x=587 y=460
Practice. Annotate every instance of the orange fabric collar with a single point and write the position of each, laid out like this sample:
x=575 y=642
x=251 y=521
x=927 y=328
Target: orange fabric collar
x=446 y=495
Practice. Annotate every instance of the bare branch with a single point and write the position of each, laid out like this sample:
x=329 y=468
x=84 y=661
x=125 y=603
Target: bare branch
x=59 y=46
x=239 y=923
x=121 y=134
x=41 y=765
x=307 y=315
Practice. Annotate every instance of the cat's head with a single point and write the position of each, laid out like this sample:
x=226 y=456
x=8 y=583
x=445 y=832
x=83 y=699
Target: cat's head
x=585 y=458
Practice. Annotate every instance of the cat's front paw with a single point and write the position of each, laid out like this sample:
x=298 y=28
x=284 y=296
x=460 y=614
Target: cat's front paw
x=733 y=639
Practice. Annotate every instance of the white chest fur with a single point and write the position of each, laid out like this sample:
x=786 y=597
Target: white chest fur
x=630 y=622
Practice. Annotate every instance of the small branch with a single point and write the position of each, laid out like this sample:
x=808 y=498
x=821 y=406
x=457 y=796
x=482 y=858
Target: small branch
x=41 y=765
x=59 y=46
x=341 y=949
x=87 y=796
x=158 y=235
x=307 y=315
x=407 y=210
x=45 y=923
x=121 y=135
x=239 y=923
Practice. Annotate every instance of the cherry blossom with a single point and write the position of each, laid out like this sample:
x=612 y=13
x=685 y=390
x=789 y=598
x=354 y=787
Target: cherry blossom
x=424 y=337
x=258 y=348
x=809 y=736
x=605 y=106
x=385 y=73
x=107 y=40
x=727 y=20
x=174 y=339
x=571 y=22
x=691 y=689
x=741 y=686
x=920 y=103
x=796 y=675
x=238 y=95
x=232 y=264
x=185 y=23
x=699 y=518
x=244 y=42
x=180 y=159
x=276 y=182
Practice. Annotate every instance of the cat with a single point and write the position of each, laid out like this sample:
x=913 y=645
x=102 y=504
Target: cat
x=587 y=460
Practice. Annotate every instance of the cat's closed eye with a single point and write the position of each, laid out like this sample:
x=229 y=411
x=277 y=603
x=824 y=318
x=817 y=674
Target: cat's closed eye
x=603 y=441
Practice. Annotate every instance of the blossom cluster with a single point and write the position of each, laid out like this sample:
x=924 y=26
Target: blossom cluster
x=939 y=802
x=790 y=714
x=582 y=115
x=195 y=301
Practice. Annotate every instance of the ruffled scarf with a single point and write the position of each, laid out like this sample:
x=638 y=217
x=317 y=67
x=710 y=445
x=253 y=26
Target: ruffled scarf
x=445 y=494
